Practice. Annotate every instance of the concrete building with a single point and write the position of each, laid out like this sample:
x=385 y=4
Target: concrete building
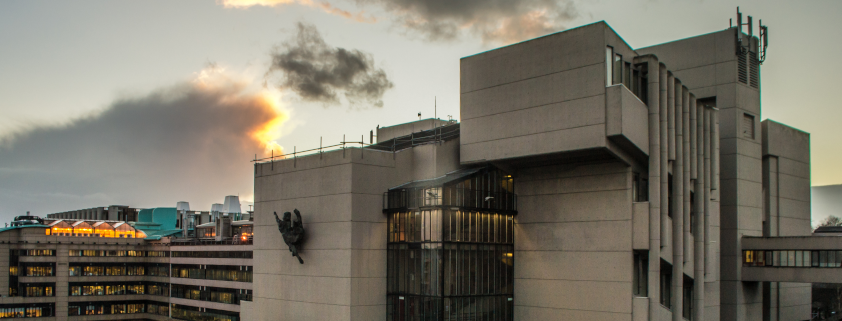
x=88 y=269
x=587 y=180
x=112 y=213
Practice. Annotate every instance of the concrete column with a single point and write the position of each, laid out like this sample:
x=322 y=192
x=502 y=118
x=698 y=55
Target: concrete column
x=715 y=150
x=685 y=156
x=699 y=210
x=694 y=138
x=677 y=203
x=653 y=79
x=662 y=85
x=706 y=189
x=671 y=115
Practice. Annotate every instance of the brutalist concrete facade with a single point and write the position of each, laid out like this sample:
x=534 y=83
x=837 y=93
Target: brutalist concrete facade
x=637 y=173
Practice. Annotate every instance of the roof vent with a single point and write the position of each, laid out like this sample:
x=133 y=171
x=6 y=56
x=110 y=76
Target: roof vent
x=232 y=204
x=182 y=206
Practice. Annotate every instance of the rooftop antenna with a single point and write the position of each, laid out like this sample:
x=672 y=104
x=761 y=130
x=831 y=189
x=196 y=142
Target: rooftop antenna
x=739 y=33
x=435 y=107
x=764 y=37
x=750 y=28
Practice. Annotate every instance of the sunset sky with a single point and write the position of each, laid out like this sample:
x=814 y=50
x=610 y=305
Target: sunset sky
x=146 y=103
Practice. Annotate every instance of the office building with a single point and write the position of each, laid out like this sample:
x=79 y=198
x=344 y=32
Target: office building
x=587 y=180
x=86 y=268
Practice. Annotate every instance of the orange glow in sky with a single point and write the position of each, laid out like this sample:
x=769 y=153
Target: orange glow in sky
x=243 y=90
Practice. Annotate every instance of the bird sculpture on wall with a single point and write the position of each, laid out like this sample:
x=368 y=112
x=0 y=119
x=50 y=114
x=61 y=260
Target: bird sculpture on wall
x=292 y=231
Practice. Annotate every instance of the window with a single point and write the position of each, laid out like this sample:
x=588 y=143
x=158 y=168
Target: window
x=640 y=188
x=640 y=283
x=748 y=126
x=609 y=66
x=666 y=284
x=687 y=302
x=618 y=69
x=452 y=259
x=669 y=196
x=692 y=213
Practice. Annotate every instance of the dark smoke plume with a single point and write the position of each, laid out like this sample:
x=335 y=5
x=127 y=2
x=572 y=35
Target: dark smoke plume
x=189 y=142
x=321 y=73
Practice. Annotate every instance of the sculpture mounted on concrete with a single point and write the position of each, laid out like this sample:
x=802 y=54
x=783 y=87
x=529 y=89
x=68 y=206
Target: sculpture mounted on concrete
x=292 y=231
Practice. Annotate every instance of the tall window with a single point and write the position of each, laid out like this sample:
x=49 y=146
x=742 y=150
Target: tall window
x=640 y=188
x=609 y=66
x=666 y=284
x=451 y=248
x=687 y=302
x=640 y=281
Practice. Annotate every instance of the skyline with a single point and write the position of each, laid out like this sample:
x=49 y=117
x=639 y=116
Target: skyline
x=132 y=52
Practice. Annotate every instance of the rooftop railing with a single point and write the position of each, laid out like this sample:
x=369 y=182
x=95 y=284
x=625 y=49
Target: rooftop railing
x=438 y=134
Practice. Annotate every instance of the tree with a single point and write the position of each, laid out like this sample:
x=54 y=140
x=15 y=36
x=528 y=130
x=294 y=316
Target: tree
x=829 y=221
x=837 y=288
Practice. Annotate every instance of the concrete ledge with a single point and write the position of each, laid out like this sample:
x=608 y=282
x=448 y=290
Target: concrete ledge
x=792 y=274
x=626 y=120
x=792 y=243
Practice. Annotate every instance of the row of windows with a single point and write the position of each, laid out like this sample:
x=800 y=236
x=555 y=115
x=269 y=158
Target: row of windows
x=490 y=308
x=28 y=311
x=155 y=270
x=39 y=270
x=37 y=290
x=666 y=290
x=793 y=258
x=214 y=254
x=119 y=253
x=451 y=226
x=450 y=269
x=98 y=308
x=221 y=295
x=182 y=312
x=39 y=252
x=213 y=272
x=412 y=198
x=620 y=72
x=119 y=289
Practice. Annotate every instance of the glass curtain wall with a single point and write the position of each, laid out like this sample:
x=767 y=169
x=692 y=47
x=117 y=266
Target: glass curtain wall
x=450 y=262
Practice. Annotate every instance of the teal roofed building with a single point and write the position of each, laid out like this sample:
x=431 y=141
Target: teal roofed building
x=158 y=222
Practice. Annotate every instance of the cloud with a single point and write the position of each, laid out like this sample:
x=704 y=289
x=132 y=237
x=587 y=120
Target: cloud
x=320 y=73
x=192 y=141
x=323 y=5
x=493 y=21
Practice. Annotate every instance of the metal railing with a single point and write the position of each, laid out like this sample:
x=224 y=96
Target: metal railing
x=435 y=135
x=449 y=196
x=295 y=153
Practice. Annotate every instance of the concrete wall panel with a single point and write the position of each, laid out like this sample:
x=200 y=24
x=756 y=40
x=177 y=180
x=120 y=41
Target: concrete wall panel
x=577 y=295
x=541 y=56
x=534 y=120
x=550 y=314
x=605 y=236
x=570 y=265
x=575 y=207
